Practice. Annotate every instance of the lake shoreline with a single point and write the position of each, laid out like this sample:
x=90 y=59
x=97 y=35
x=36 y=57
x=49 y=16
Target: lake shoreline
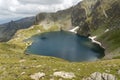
x=74 y=30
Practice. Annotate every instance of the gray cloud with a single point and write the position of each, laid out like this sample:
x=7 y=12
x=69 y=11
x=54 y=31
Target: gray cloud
x=42 y=2
x=13 y=9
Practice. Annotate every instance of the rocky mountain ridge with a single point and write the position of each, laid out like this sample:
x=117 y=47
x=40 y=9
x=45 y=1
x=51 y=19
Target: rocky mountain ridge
x=8 y=30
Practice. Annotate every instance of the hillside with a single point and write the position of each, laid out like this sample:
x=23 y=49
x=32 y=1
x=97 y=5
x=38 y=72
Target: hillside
x=7 y=30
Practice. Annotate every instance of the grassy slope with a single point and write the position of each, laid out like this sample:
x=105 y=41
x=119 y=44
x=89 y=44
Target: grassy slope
x=12 y=52
x=111 y=41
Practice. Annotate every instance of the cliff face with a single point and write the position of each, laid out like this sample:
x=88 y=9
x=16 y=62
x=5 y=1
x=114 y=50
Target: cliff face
x=7 y=30
x=94 y=14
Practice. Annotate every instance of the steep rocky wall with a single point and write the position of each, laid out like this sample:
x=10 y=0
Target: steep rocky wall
x=104 y=13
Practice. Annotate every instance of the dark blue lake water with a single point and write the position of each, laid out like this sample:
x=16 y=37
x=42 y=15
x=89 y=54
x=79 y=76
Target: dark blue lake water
x=65 y=45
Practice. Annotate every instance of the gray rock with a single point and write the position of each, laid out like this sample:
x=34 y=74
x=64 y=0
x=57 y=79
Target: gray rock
x=111 y=77
x=37 y=76
x=101 y=76
x=118 y=72
x=65 y=75
x=105 y=76
x=96 y=76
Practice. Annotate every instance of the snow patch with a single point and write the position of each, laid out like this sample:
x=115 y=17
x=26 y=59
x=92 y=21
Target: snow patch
x=94 y=41
x=74 y=30
x=106 y=30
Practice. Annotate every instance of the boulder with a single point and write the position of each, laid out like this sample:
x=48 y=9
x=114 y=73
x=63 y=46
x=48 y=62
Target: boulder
x=100 y=76
x=65 y=75
x=37 y=76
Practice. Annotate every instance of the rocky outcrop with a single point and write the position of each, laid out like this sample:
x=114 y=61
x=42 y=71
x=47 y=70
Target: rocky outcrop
x=61 y=74
x=65 y=75
x=93 y=14
x=78 y=15
x=37 y=76
x=101 y=76
x=118 y=72
x=105 y=13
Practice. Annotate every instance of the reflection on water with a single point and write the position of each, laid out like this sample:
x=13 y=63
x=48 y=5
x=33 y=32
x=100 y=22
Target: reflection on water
x=66 y=45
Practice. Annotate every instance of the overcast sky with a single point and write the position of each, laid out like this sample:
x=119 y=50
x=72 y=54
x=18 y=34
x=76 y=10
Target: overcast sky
x=16 y=9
